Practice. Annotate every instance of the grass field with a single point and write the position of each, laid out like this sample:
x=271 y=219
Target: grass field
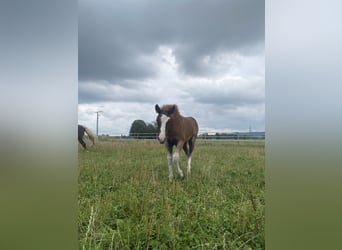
x=127 y=202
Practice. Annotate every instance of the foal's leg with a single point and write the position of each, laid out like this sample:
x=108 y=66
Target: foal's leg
x=188 y=165
x=186 y=149
x=175 y=158
x=169 y=160
x=191 y=148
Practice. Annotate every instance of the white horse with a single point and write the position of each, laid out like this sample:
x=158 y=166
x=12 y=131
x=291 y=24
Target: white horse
x=83 y=129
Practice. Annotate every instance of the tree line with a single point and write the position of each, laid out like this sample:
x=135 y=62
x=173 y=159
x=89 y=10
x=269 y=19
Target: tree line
x=142 y=130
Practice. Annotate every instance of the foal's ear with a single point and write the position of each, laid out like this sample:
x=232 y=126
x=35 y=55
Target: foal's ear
x=170 y=111
x=157 y=108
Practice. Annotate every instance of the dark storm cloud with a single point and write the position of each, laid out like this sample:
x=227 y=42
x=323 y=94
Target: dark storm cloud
x=103 y=92
x=116 y=36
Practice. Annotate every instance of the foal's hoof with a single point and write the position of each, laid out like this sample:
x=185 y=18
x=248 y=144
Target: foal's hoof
x=181 y=177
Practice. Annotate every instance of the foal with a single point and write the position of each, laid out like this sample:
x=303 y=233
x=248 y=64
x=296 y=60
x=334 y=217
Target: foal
x=179 y=131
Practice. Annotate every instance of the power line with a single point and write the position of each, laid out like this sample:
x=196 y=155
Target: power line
x=97 y=122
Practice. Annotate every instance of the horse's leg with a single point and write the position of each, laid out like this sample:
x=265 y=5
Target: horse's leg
x=175 y=158
x=92 y=139
x=80 y=140
x=169 y=160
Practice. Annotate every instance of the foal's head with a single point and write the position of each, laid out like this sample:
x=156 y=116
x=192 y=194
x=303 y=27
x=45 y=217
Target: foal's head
x=164 y=114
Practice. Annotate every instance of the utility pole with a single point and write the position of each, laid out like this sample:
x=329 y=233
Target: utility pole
x=97 y=122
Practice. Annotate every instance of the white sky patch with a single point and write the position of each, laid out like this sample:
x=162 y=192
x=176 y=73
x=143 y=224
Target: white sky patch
x=168 y=59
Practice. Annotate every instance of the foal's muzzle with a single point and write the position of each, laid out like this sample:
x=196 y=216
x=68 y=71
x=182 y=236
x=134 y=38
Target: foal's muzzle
x=161 y=141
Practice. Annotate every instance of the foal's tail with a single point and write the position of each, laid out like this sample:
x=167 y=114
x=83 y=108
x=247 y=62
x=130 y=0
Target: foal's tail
x=90 y=134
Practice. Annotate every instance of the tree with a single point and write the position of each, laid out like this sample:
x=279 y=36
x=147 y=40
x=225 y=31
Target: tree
x=151 y=129
x=139 y=129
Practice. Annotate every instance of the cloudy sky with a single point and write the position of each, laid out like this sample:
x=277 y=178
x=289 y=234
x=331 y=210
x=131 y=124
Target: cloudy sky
x=206 y=56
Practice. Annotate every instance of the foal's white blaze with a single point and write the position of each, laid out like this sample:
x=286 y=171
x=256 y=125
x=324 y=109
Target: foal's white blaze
x=163 y=120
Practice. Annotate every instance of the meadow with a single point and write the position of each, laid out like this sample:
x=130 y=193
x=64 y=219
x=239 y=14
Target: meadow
x=127 y=202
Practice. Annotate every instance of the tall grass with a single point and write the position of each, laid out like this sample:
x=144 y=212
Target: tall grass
x=127 y=202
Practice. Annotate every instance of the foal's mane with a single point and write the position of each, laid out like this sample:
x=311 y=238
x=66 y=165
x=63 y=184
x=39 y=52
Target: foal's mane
x=170 y=106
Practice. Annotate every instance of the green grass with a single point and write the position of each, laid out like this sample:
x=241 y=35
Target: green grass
x=127 y=202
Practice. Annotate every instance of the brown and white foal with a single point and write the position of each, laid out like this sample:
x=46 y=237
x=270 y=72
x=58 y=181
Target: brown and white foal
x=179 y=131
